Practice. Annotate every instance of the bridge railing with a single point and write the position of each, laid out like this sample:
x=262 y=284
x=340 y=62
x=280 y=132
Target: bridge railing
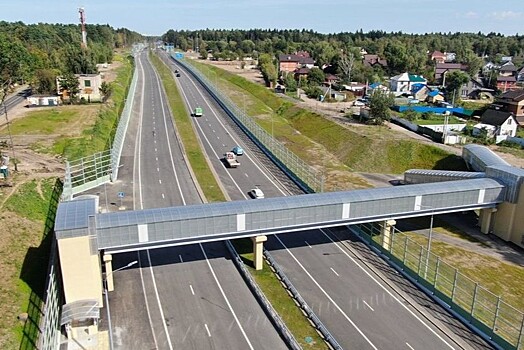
x=474 y=304
x=304 y=175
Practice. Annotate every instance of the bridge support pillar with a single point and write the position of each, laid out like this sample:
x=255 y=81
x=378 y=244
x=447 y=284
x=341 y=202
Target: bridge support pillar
x=387 y=232
x=108 y=261
x=258 y=251
x=485 y=218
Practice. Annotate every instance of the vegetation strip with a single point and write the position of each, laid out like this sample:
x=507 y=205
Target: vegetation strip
x=291 y=314
x=196 y=157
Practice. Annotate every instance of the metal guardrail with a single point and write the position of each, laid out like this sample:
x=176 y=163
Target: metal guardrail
x=299 y=171
x=302 y=303
x=476 y=306
x=270 y=311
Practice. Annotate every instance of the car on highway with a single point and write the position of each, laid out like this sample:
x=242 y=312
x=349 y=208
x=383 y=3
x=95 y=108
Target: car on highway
x=237 y=150
x=257 y=193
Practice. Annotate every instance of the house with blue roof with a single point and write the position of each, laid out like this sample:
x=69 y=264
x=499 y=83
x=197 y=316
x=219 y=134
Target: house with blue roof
x=435 y=96
x=406 y=83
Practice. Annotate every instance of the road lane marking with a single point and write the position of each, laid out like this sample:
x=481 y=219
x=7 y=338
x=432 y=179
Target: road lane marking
x=385 y=289
x=225 y=297
x=163 y=196
x=156 y=149
x=308 y=244
x=159 y=181
x=158 y=169
x=192 y=291
x=181 y=260
x=207 y=330
x=369 y=306
x=158 y=301
x=246 y=174
x=326 y=294
x=409 y=346
x=156 y=159
x=335 y=272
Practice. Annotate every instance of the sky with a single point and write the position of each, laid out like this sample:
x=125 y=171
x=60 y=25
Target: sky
x=156 y=17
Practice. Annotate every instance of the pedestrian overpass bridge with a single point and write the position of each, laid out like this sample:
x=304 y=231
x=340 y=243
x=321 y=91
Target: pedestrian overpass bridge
x=83 y=233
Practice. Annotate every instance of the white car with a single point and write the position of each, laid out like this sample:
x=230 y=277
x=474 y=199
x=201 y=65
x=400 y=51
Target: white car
x=257 y=193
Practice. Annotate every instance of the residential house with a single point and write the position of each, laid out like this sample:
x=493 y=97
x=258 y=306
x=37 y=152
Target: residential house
x=374 y=60
x=358 y=89
x=437 y=56
x=506 y=83
x=489 y=67
x=505 y=59
x=290 y=62
x=331 y=79
x=301 y=73
x=435 y=96
x=499 y=124
x=475 y=89
x=441 y=69
x=89 y=87
x=513 y=102
x=404 y=83
x=520 y=75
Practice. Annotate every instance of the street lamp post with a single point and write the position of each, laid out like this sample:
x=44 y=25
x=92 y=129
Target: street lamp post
x=109 y=326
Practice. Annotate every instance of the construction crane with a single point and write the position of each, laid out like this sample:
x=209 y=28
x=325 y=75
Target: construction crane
x=83 y=23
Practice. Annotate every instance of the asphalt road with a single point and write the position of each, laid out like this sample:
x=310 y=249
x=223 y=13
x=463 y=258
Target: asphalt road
x=359 y=309
x=186 y=297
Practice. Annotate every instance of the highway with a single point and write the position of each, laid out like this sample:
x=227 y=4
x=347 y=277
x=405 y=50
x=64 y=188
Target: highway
x=187 y=297
x=359 y=309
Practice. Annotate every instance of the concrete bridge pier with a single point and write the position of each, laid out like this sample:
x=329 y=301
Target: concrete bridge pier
x=387 y=231
x=485 y=219
x=108 y=261
x=258 y=251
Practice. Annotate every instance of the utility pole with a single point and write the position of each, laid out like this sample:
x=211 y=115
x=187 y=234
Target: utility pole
x=4 y=95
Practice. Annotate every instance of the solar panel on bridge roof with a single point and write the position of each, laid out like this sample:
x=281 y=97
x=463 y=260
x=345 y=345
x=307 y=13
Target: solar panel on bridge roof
x=74 y=214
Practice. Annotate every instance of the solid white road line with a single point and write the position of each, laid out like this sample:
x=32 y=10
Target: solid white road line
x=327 y=295
x=335 y=272
x=158 y=301
x=367 y=305
x=207 y=330
x=409 y=346
x=386 y=290
x=308 y=244
x=225 y=297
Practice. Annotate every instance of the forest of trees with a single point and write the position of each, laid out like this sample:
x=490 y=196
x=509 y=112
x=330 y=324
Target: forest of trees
x=404 y=52
x=37 y=53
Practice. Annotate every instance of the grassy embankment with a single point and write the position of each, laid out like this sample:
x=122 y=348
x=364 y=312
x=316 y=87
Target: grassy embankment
x=338 y=150
x=28 y=209
x=267 y=281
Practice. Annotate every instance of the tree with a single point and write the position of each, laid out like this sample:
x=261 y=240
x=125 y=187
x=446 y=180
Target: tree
x=316 y=76
x=346 y=64
x=106 y=89
x=455 y=80
x=290 y=82
x=379 y=106
x=45 y=81
x=69 y=83
x=203 y=52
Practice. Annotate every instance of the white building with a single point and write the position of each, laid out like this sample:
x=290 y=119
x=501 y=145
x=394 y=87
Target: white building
x=405 y=83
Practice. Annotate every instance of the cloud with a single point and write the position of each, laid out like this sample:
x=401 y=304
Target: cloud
x=471 y=15
x=505 y=15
